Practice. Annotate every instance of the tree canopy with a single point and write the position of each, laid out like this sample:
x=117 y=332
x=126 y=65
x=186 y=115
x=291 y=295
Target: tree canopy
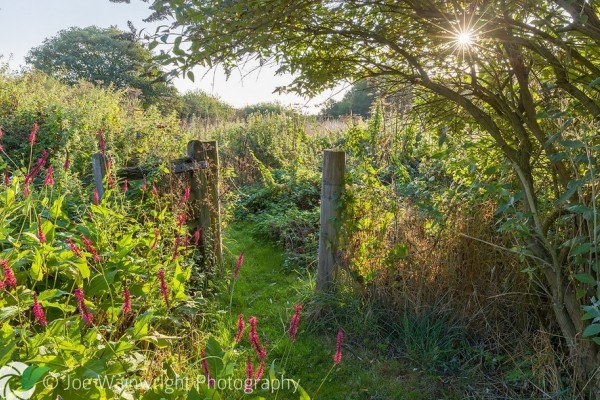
x=104 y=56
x=524 y=72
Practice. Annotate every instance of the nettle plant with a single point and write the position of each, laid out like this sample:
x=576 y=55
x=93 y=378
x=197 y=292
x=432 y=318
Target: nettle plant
x=84 y=288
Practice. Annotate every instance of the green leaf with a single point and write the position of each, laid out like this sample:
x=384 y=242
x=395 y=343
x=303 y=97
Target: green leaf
x=591 y=330
x=581 y=249
x=586 y=278
x=8 y=312
x=191 y=76
x=572 y=187
x=32 y=375
x=36 y=271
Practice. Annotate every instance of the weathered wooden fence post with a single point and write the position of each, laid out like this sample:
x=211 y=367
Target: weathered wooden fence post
x=332 y=185
x=99 y=167
x=204 y=187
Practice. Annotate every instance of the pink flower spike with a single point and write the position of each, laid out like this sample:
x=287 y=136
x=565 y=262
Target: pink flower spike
x=294 y=322
x=249 y=376
x=238 y=265
x=33 y=134
x=96 y=197
x=74 y=248
x=240 y=328
x=204 y=363
x=38 y=312
x=26 y=190
x=197 y=236
x=86 y=315
x=186 y=195
x=126 y=301
x=125 y=186
x=164 y=289
x=10 y=280
x=49 y=181
x=101 y=141
x=181 y=218
x=89 y=246
x=144 y=185
x=176 y=247
x=6 y=178
x=154 y=191
x=260 y=372
x=155 y=242
x=40 y=233
x=111 y=181
x=255 y=339
x=67 y=162
x=337 y=358
x=2 y=285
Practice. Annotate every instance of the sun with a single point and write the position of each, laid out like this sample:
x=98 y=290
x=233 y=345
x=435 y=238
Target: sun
x=465 y=38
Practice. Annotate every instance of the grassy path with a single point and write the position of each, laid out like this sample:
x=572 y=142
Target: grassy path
x=264 y=289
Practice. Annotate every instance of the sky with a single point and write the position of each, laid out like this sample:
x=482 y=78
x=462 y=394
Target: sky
x=26 y=23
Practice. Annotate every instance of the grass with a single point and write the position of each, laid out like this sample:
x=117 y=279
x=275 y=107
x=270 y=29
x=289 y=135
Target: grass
x=269 y=292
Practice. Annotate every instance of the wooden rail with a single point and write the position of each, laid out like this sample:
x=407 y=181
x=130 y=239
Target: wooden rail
x=200 y=168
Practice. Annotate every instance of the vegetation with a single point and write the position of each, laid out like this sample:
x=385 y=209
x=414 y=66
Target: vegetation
x=520 y=75
x=468 y=229
x=106 y=57
x=357 y=101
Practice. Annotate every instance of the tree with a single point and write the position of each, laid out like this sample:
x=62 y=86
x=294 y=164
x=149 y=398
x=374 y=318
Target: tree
x=525 y=72
x=201 y=105
x=104 y=56
x=357 y=101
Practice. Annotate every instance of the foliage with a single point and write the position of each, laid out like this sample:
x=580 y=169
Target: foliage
x=516 y=71
x=198 y=104
x=103 y=56
x=70 y=117
x=357 y=101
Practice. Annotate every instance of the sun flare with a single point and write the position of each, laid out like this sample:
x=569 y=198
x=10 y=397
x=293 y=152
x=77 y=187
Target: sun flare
x=464 y=39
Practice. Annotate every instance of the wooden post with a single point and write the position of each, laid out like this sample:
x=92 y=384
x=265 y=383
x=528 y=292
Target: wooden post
x=99 y=167
x=334 y=164
x=204 y=185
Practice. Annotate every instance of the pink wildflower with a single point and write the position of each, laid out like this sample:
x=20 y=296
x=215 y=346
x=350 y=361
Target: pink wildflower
x=35 y=170
x=96 y=197
x=86 y=315
x=49 y=181
x=294 y=322
x=197 y=237
x=155 y=242
x=74 y=248
x=240 y=328
x=10 y=281
x=111 y=181
x=126 y=301
x=33 y=134
x=38 y=312
x=260 y=371
x=238 y=265
x=2 y=285
x=209 y=378
x=125 y=186
x=89 y=246
x=26 y=190
x=181 y=218
x=249 y=375
x=6 y=178
x=186 y=195
x=255 y=339
x=144 y=185
x=337 y=358
x=67 y=162
x=164 y=290
x=176 y=247
x=101 y=141
x=40 y=233
x=154 y=191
